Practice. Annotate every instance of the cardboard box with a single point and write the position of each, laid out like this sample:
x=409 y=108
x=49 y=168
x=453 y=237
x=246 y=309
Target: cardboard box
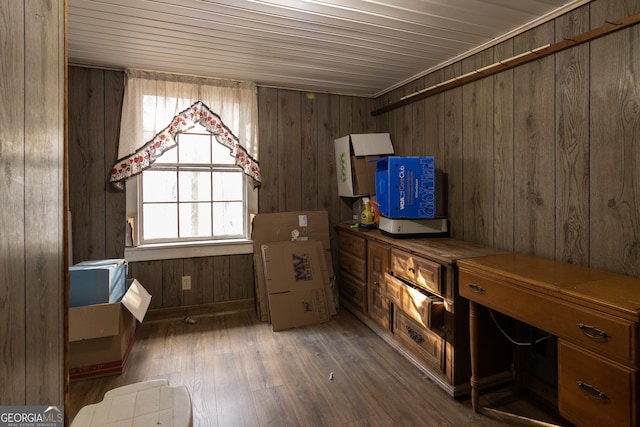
x=297 y=282
x=405 y=187
x=97 y=282
x=101 y=335
x=287 y=226
x=354 y=166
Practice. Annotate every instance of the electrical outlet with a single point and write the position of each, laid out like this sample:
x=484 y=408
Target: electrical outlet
x=186 y=283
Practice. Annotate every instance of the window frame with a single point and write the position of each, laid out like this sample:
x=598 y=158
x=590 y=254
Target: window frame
x=186 y=248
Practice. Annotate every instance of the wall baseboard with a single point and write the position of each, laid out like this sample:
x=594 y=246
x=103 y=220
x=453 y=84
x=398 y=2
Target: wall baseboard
x=201 y=310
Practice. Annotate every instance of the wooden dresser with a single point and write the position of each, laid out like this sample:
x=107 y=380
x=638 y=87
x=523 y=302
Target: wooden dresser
x=594 y=315
x=406 y=291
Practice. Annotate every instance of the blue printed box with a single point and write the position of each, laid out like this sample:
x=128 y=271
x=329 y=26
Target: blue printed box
x=405 y=187
x=97 y=282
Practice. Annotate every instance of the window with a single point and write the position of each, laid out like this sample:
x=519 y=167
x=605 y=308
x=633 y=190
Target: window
x=187 y=159
x=193 y=192
x=192 y=201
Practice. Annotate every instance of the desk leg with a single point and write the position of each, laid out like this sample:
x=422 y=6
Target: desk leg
x=473 y=343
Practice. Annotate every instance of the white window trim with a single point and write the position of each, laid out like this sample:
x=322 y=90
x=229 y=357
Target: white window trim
x=160 y=251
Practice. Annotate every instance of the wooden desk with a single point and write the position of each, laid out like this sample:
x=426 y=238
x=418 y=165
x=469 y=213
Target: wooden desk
x=593 y=313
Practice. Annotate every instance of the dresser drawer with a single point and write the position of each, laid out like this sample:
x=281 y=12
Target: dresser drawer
x=354 y=291
x=355 y=245
x=421 y=271
x=426 y=309
x=355 y=266
x=593 y=391
x=393 y=289
x=425 y=344
x=600 y=332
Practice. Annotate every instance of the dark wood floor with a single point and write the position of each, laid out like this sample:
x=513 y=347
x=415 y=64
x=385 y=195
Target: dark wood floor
x=240 y=373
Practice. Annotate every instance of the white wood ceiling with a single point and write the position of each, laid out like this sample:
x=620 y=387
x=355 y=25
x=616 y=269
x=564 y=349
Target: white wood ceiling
x=352 y=47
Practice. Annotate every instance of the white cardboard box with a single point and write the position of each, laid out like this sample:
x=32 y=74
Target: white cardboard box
x=356 y=175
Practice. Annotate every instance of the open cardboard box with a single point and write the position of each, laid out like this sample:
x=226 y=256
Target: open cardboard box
x=355 y=162
x=101 y=335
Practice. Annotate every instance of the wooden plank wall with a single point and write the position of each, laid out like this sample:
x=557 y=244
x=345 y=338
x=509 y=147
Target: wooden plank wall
x=543 y=158
x=31 y=219
x=97 y=213
x=614 y=125
x=297 y=157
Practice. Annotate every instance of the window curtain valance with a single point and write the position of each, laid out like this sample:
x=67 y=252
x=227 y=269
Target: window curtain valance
x=157 y=106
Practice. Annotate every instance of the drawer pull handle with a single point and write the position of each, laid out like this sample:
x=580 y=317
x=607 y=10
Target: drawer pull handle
x=476 y=288
x=592 y=391
x=414 y=335
x=593 y=332
x=411 y=270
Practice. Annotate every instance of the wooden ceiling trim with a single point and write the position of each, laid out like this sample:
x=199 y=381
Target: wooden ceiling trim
x=515 y=61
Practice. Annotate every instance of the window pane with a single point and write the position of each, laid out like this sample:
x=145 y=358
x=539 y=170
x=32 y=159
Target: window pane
x=195 y=219
x=159 y=186
x=160 y=221
x=195 y=148
x=197 y=128
x=169 y=156
x=194 y=186
x=228 y=219
x=227 y=185
x=222 y=154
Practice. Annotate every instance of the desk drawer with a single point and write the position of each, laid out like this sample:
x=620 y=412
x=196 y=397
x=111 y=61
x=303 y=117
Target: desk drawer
x=355 y=245
x=422 y=342
x=422 y=307
x=593 y=391
x=600 y=332
x=355 y=266
x=420 y=271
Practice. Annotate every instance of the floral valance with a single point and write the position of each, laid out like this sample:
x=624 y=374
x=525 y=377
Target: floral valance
x=198 y=113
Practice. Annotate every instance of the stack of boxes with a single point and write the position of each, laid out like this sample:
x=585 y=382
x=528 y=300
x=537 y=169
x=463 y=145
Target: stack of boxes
x=103 y=309
x=407 y=194
x=295 y=283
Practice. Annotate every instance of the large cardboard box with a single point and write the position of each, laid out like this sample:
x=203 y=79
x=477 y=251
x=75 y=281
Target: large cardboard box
x=405 y=187
x=287 y=226
x=297 y=282
x=97 y=282
x=355 y=162
x=101 y=335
